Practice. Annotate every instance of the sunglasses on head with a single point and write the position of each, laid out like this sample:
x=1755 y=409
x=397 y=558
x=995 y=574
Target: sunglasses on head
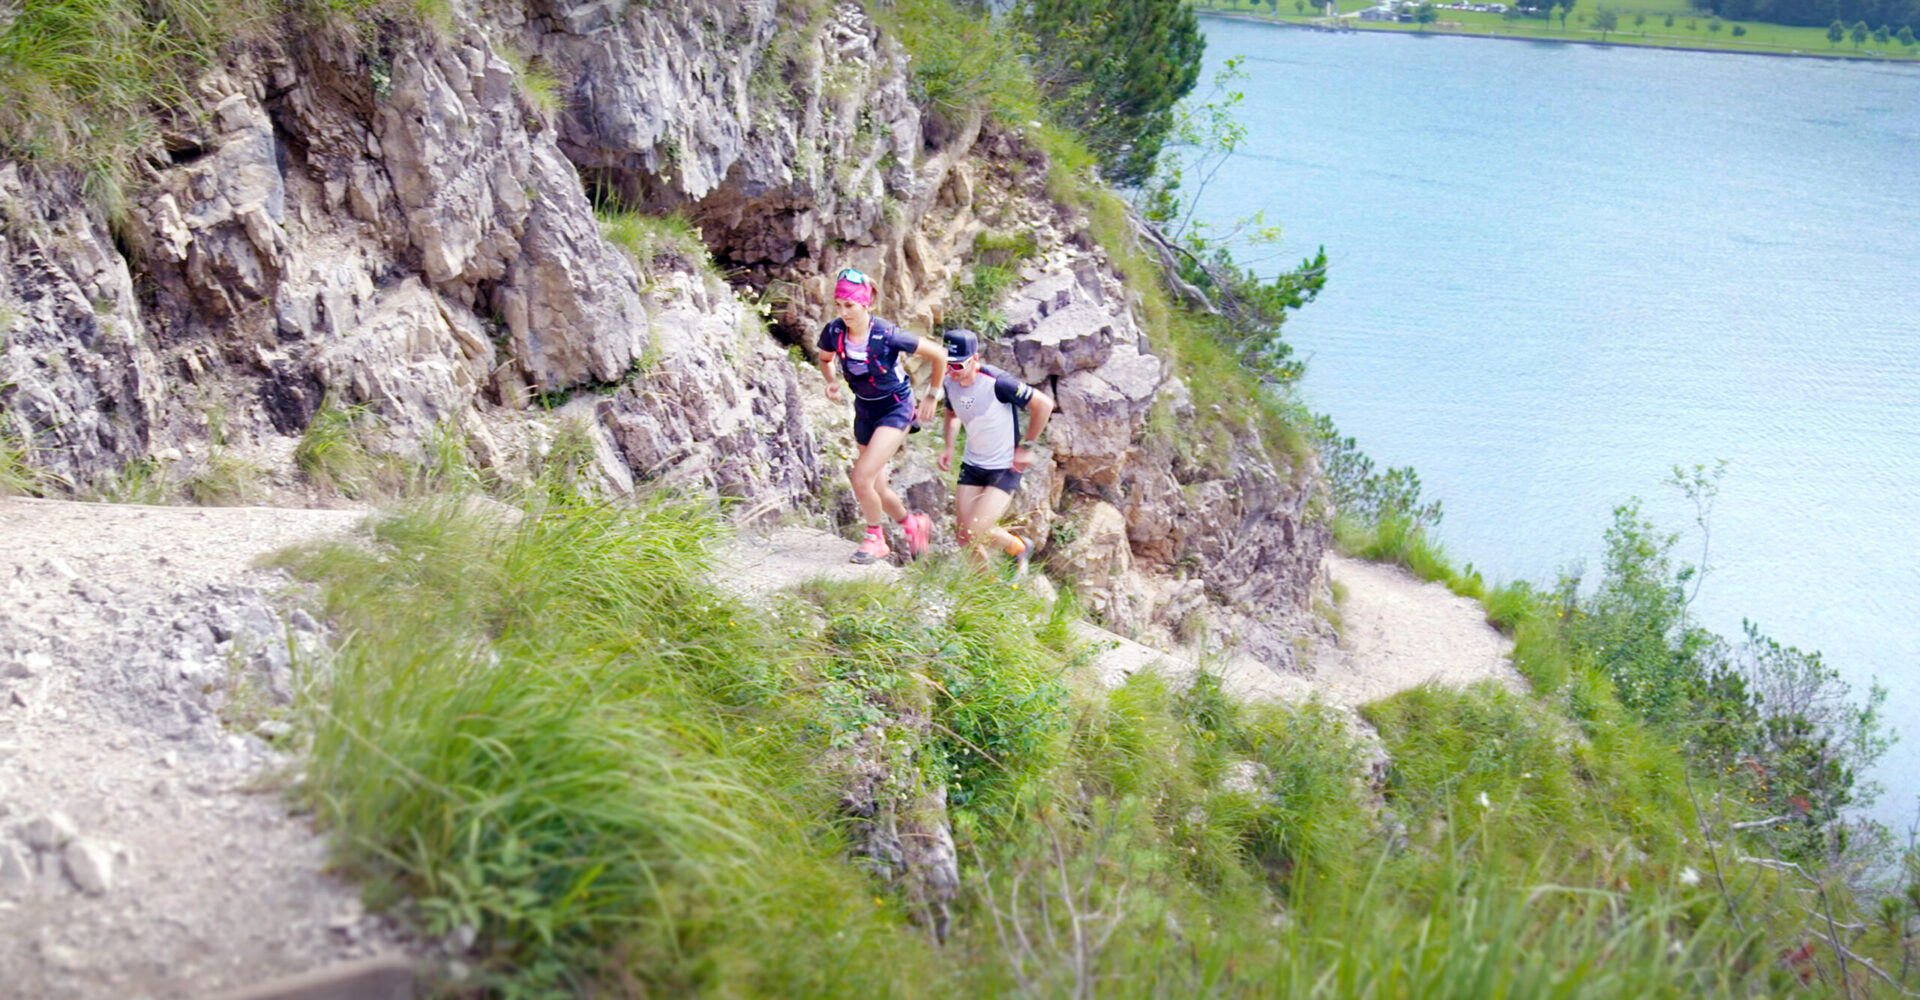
x=854 y=275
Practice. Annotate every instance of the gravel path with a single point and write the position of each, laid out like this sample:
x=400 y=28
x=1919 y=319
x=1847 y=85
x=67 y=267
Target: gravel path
x=143 y=852
x=1398 y=632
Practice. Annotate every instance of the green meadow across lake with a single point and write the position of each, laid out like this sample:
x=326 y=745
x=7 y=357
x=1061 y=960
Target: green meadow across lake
x=1659 y=24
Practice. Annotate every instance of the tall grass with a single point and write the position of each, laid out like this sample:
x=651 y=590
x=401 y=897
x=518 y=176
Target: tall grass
x=80 y=80
x=532 y=734
x=655 y=242
x=1509 y=930
x=546 y=726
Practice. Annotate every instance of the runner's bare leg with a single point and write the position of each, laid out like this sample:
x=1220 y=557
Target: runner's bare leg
x=869 y=476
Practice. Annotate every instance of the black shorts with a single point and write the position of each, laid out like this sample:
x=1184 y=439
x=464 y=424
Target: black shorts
x=1000 y=479
x=887 y=411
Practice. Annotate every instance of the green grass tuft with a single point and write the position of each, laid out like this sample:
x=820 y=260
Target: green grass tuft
x=655 y=243
x=81 y=78
x=224 y=480
x=18 y=475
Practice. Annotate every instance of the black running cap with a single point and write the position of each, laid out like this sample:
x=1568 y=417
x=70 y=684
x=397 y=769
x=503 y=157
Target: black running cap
x=962 y=344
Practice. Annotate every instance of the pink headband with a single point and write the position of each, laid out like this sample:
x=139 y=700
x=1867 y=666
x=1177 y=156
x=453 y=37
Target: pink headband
x=853 y=291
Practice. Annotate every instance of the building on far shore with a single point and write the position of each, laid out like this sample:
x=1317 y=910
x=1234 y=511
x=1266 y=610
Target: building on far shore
x=1402 y=10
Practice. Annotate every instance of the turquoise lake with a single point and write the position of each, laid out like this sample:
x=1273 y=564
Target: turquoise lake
x=1557 y=271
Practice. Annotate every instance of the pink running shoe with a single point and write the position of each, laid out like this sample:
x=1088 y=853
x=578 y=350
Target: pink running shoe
x=872 y=550
x=918 y=528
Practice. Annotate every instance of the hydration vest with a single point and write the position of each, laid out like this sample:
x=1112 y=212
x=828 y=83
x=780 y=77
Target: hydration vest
x=879 y=376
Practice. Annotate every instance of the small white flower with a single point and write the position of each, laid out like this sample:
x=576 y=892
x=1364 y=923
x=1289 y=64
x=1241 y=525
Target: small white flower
x=1526 y=774
x=1485 y=803
x=1688 y=876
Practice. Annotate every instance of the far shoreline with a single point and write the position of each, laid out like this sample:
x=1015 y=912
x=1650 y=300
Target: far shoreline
x=1317 y=25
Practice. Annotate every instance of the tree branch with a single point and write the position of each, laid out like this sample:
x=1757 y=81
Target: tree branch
x=1165 y=249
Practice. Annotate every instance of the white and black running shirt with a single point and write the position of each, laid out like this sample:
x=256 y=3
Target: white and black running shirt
x=990 y=408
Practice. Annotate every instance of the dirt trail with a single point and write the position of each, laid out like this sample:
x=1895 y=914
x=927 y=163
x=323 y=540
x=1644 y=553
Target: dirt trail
x=1396 y=631
x=139 y=855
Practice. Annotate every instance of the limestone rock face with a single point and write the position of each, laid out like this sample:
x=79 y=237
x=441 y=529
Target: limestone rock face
x=397 y=230
x=499 y=219
x=898 y=820
x=721 y=409
x=660 y=101
x=1234 y=529
x=404 y=228
x=77 y=378
x=1071 y=327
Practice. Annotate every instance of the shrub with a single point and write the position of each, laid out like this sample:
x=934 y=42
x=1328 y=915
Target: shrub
x=1114 y=72
x=1363 y=494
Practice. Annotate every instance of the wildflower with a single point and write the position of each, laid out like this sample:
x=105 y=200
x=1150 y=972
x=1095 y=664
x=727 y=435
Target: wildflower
x=1688 y=876
x=1485 y=803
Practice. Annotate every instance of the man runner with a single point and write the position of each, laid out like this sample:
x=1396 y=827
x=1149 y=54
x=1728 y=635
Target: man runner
x=989 y=402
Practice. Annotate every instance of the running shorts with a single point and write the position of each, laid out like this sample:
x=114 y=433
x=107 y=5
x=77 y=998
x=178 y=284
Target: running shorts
x=887 y=411
x=1006 y=480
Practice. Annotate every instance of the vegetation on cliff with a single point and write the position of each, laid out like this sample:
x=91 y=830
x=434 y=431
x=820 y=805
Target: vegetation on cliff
x=551 y=728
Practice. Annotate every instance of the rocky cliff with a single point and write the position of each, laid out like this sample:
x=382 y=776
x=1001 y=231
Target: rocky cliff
x=398 y=220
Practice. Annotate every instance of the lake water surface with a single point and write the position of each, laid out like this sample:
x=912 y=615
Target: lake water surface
x=1557 y=271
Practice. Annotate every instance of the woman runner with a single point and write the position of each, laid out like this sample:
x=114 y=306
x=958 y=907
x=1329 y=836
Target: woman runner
x=868 y=352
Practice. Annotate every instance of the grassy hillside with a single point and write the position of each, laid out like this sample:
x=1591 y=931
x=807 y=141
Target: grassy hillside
x=552 y=729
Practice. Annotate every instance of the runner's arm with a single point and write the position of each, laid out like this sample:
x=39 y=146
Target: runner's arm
x=824 y=354
x=827 y=372
x=1040 y=407
x=936 y=355
x=952 y=431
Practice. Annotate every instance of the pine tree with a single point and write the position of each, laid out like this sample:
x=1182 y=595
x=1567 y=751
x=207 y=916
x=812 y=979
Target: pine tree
x=1114 y=69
